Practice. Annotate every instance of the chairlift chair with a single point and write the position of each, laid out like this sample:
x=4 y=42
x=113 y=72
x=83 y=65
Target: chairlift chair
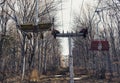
x=31 y=27
x=99 y=45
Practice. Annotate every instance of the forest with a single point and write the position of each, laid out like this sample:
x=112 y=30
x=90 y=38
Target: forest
x=23 y=49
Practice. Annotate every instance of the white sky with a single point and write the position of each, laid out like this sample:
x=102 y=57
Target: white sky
x=67 y=18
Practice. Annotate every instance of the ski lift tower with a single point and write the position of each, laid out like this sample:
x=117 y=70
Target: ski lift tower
x=83 y=33
x=34 y=28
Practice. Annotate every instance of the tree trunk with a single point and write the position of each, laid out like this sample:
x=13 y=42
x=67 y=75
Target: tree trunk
x=23 y=57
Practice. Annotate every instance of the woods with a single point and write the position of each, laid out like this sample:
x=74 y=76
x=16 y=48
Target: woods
x=22 y=51
x=29 y=48
x=102 y=25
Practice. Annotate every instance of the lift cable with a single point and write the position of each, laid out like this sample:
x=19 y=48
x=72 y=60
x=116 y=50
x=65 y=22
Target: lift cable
x=95 y=10
x=48 y=11
x=70 y=13
x=81 y=7
x=62 y=13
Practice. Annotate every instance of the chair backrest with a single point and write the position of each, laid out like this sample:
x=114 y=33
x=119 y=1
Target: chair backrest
x=100 y=45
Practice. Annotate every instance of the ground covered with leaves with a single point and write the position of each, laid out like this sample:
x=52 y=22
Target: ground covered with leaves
x=61 y=79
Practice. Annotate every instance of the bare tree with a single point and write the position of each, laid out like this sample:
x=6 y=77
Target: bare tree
x=106 y=17
x=36 y=51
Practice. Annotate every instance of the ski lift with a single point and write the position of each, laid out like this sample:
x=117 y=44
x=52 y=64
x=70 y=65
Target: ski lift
x=33 y=28
x=99 y=44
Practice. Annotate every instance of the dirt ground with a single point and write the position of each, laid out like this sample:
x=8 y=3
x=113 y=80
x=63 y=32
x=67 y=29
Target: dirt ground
x=49 y=79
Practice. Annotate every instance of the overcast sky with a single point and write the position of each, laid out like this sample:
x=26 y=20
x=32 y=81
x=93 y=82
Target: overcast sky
x=66 y=16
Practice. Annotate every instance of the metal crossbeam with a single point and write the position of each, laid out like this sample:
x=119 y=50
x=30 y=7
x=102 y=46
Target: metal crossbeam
x=69 y=34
